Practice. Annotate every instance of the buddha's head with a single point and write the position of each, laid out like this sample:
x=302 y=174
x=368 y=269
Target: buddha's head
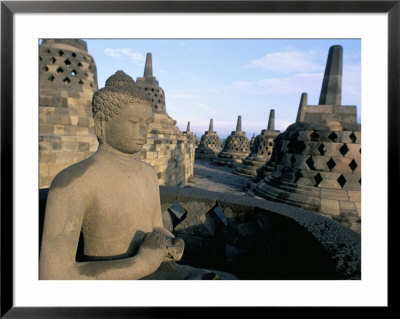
x=121 y=114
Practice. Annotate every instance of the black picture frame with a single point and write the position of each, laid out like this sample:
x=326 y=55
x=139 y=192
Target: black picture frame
x=9 y=8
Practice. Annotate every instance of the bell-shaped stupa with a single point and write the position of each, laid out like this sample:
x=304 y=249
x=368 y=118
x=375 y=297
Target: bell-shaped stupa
x=67 y=81
x=210 y=144
x=318 y=165
x=236 y=148
x=261 y=151
x=190 y=136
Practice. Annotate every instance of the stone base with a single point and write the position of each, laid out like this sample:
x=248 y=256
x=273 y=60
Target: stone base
x=343 y=206
x=229 y=159
x=250 y=166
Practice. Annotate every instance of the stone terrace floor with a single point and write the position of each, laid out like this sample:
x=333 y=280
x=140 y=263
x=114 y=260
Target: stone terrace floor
x=217 y=178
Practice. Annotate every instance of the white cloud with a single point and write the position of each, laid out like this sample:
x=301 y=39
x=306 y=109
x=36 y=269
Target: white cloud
x=293 y=84
x=135 y=57
x=289 y=61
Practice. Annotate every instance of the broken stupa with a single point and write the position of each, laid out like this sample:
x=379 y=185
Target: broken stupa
x=261 y=151
x=318 y=164
x=210 y=144
x=236 y=148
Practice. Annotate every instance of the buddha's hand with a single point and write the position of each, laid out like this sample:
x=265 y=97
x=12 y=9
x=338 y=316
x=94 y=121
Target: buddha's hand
x=153 y=249
x=175 y=248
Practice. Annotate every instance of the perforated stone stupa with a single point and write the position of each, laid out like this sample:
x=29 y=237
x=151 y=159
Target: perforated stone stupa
x=190 y=136
x=237 y=147
x=167 y=148
x=67 y=81
x=319 y=161
x=210 y=144
x=261 y=151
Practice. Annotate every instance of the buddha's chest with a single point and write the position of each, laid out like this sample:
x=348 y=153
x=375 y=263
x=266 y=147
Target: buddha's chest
x=120 y=207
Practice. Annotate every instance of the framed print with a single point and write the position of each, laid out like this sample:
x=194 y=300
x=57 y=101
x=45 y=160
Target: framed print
x=228 y=30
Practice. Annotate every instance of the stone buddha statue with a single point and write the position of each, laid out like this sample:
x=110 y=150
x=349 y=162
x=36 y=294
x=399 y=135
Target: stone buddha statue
x=112 y=199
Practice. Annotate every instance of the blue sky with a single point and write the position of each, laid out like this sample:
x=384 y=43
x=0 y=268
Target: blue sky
x=224 y=78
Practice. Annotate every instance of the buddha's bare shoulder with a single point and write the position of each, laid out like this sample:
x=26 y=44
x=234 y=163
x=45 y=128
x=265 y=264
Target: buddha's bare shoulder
x=80 y=174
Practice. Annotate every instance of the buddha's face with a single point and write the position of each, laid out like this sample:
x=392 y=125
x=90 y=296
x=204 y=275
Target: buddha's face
x=127 y=131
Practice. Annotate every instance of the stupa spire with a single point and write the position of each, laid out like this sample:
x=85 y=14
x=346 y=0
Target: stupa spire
x=331 y=91
x=148 y=69
x=271 y=120
x=239 y=124
x=211 y=127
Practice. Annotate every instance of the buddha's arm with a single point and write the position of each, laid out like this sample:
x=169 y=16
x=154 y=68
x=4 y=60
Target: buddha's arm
x=65 y=209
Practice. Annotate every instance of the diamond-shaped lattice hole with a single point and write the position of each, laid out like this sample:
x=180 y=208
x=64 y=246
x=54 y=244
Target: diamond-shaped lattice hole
x=60 y=69
x=317 y=179
x=80 y=82
x=359 y=180
x=310 y=163
x=67 y=63
x=353 y=137
x=73 y=72
x=296 y=147
x=333 y=137
x=322 y=149
x=73 y=54
x=40 y=58
x=53 y=60
x=293 y=160
x=314 y=136
x=331 y=164
x=297 y=176
x=353 y=165
x=80 y=64
x=67 y=81
x=91 y=84
x=344 y=149
x=60 y=53
x=51 y=78
x=48 y=51
x=46 y=68
x=341 y=180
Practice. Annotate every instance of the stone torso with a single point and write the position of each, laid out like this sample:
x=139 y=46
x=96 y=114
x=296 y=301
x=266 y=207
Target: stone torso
x=124 y=201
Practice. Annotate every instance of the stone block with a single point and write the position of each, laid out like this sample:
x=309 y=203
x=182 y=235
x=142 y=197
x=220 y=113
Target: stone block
x=354 y=196
x=74 y=120
x=62 y=157
x=329 y=180
x=82 y=131
x=83 y=121
x=347 y=206
x=342 y=164
x=59 y=129
x=330 y=206
x=56 y=146
x=83 y=147
x=336 y=194
x=47 y=157
x=69 y=130
x=44 y=169
x=46 y=129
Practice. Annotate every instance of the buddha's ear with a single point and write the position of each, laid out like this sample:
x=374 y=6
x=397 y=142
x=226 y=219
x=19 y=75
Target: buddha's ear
x=99 y=122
